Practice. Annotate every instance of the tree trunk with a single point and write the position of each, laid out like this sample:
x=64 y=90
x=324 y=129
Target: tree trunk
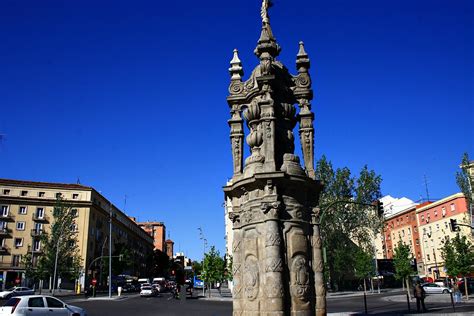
x=365 y=287
x=465 y=288
x=408 y=286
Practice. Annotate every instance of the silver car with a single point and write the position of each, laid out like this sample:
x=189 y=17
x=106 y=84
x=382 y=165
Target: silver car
x=16 y=291
x=433 y=288
x=39 y=305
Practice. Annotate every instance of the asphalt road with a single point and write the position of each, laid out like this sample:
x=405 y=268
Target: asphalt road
x=388 y=303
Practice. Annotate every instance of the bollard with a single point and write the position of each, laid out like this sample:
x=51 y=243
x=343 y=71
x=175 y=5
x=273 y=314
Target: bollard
x=365 y=303
x=452 y=301
x=408 y=302
x=119 y=290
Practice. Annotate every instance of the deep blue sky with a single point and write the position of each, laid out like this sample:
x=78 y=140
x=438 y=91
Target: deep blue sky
x=130 y=96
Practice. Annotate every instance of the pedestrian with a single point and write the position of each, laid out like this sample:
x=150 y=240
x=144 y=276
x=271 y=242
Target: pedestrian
x=419 y=294
x=456 y=293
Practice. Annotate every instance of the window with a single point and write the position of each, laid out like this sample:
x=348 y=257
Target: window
x=409 y=231
x=6 y=192
x=36 y=245
x=453 y=207
x=16 y=260
x=36 y=302
x=443 y=211
x=58 y=195
x=436 y=213
x=24 y=193
x=74 y=228
x=446 y=225
x=75 y=196
x=74 y=212
x=4 y=211
x=39 y=212
x=417 y=241
x=428 y=257
x=20 y=225
x=41 y=194
x=415 y=229
x=54 y=303
x=437 y=227
x=18 y=242
x=22 y=210
x=422 y=217
x=38 y=227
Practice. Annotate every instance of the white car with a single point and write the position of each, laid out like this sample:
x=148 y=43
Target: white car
x=16 y=291
x=148 y=291
x=433 y=288
x=39 y=305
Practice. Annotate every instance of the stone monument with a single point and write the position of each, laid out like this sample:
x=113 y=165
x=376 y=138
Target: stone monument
x=277 y=262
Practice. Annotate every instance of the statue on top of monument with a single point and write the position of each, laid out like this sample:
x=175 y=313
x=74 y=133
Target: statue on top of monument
x=264 y=11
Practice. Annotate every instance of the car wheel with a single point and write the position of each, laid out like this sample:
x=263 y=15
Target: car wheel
x=445 y=291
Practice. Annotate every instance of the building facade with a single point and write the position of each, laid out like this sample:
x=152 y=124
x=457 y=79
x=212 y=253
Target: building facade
x=27 y=213
x=157 y=230
x=434 y=220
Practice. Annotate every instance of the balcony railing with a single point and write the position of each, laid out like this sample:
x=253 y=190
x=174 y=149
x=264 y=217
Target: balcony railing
x=4 y=231
x=40 y=217
x=35 y=250
x=6 y=217
x=36 y=232
x=4 y=249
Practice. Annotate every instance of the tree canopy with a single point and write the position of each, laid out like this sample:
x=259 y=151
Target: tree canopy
x=345 y=227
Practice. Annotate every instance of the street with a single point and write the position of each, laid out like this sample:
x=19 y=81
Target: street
x=348 y=303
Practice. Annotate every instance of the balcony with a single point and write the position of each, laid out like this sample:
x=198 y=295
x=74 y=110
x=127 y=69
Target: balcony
x=6 y=217
x=40 y=217
x=4 y=231
x=35 y=250
x=36 y=232
x=4 y=250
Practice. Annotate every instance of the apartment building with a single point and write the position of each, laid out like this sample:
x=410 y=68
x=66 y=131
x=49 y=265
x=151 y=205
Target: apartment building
x=434 y=220
x=157 y=230
x=26 y=212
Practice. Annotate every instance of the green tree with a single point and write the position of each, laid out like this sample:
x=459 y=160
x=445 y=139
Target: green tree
x=213 y=267
x=197 y=267
x=364 y=265
x=402 y=258
x=458 y=255
x=463 y=181
x=346 y=226
x=60 y=244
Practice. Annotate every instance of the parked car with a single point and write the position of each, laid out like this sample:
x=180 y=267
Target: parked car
x=148 y=291
x=433 y=288
x=16 y=291
x=39 y=305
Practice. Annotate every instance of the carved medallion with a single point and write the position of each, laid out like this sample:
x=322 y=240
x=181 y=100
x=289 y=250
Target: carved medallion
x=300 y=278
x=251 y=275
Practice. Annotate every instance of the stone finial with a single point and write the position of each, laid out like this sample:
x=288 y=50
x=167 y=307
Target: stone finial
x=266 y=42
x=236 y=70
x=302 y=59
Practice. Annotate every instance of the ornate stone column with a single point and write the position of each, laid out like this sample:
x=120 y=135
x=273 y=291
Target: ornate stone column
x=237 y=265
x=318 y=264
x=274 y=291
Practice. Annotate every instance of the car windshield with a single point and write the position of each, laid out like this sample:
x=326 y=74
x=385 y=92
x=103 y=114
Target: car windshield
x=12 y=302
x=146 y=288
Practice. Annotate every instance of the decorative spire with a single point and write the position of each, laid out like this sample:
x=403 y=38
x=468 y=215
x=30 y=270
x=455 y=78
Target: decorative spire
x=266 y=42
x=302 y=60
x=236 y=70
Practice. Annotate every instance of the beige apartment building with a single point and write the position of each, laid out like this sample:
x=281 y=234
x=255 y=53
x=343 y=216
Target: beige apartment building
x=26 y=212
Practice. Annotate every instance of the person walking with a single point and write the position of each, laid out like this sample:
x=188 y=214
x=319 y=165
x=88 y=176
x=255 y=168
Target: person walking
x=456 y=293
x=419 y=294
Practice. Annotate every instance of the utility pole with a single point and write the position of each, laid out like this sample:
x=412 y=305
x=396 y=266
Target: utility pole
x=110 y=250
x=426 y=187
x=204 y=240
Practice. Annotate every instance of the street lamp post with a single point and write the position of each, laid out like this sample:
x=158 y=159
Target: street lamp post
x=204 y=240
x=110 y=250
x=56 y=256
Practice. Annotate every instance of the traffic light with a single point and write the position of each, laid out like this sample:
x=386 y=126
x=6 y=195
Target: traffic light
x=453 y=225
x=379 y=207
